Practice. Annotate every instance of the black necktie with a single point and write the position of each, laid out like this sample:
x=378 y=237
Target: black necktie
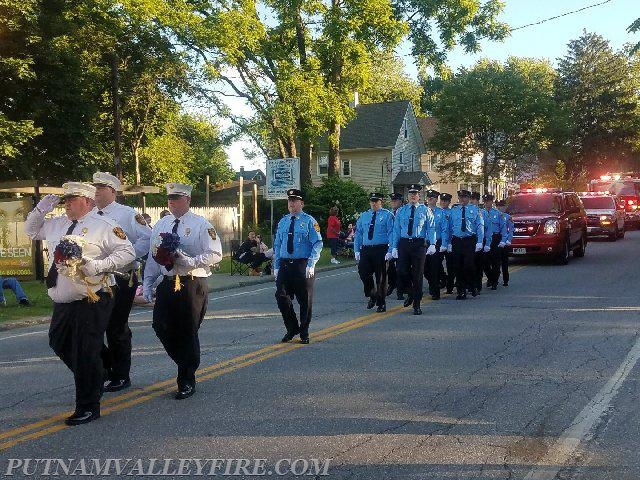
x=290 y=237
x=464 y=219
x=372 y=225
x=100 y=212
x=410 y=226
x=175 y=225
x=52 y=276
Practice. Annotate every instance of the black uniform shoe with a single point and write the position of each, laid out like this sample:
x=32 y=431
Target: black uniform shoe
x=305 y=340
x=381 y=308
x=505 y=284
x=417 y=311
x=185 y=392
x=449 y=291
x=390 y=290
x=461 y=296
x=474 y=292
x=82 y=416
x=372 y=303
x=117 y=385
x=288 y=337
x=494 y=286
x=435 y=297
x=400 y=296
x=408 y=301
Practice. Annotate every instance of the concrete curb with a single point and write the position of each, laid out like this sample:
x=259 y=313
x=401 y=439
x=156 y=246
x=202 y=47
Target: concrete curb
x=41 y=320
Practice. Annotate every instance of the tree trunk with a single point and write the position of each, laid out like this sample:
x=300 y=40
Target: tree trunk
x=305 y=160
x=334 y=150
x=485 y=171
x=117 y=131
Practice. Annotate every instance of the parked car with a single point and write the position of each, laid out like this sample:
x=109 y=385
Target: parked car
x=547 y=223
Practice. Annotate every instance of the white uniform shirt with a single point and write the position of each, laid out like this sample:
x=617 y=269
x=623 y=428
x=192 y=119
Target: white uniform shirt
x=198 y=239
x=103 y=243
x=133 y=224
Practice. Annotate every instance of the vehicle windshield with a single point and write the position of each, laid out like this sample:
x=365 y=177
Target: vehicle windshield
x=534 y=203
x=596 y=203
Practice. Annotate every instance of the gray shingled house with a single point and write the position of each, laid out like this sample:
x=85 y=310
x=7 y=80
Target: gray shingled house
x=379 y=148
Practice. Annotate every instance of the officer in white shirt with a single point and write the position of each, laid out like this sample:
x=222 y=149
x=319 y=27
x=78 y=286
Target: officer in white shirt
x=116 y=353
x=82 y=302
x=182 y=302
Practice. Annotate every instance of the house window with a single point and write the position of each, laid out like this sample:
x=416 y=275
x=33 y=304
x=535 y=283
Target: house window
x=346 y=168
x=401 y=162
x=433 y=162
x=404 y=128
x=323 y=164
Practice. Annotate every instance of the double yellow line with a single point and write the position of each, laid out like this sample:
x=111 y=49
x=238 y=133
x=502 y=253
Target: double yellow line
x=55 y=423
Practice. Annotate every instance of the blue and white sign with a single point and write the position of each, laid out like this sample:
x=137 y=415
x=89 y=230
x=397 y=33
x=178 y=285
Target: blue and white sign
x=282 y=174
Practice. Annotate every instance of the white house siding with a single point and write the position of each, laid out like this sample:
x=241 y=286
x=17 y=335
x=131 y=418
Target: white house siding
x=369 y=168
x=411 y=147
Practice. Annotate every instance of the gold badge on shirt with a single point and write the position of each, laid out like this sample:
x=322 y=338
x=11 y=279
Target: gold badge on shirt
x=316 y=227
x=212 y=233
x=188 y=231
x=120 y=233
x=84 y=231
x=140 y=219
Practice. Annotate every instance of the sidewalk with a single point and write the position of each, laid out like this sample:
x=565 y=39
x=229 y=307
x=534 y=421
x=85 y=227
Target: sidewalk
x=217 y=282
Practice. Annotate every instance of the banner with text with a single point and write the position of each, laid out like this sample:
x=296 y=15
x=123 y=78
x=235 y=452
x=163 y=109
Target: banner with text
x=16 y=249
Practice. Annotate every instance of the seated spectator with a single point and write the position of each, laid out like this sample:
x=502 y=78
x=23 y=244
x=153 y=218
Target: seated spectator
x=348 y=239
x=11 y=283
x=250 y=253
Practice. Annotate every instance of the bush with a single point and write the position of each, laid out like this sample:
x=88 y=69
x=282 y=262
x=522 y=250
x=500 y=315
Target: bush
x=350 y=198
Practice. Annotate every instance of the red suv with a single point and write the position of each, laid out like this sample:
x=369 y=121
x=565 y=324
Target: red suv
x=548 y=223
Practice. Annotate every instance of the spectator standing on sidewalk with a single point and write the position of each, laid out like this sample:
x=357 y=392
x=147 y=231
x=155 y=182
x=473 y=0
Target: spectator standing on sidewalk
x=333 y=233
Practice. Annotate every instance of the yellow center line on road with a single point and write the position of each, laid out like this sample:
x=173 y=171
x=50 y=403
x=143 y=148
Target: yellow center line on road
x=142 y=395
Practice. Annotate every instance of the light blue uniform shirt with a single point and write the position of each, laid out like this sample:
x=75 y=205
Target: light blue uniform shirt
x=496 y=224
x=382 y=230
x=473 y=221
x=424 y=224
x=439 y=215
x=307 y=241
x=508 y=226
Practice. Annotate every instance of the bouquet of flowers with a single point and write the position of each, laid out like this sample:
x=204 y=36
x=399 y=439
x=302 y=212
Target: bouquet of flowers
x=68 y=259
x=164 y=252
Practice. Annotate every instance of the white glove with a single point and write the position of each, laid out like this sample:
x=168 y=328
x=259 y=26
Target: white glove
x=357 y=255
x=478 y=247
x=487 y=248
x=450 y=248
x=431 y=250
x=387 y=256
x=48 y=203
x=501 y=245
x=508 y=244
x=275 y=272
x=91 y=268
x=394 y=253
x=184 y=260
x=443 y=249
x=310 y=272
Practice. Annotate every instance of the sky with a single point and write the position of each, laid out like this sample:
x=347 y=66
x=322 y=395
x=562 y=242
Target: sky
x=547 y=40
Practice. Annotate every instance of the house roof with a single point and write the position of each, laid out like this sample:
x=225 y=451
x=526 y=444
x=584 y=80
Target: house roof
x=250 y=174
x=376 y=125
x=407 y=178
x=427 y=126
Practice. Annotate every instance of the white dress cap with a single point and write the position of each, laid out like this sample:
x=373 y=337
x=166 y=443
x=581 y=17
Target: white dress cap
x=105 y=178
x=179 y=189
x=79 y=189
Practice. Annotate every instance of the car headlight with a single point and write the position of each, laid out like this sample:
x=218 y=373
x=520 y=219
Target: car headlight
x=605 y=217
x=551 y=226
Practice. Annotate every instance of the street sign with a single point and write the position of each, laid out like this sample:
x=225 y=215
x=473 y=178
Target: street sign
x=17 y=258
x=282 y=174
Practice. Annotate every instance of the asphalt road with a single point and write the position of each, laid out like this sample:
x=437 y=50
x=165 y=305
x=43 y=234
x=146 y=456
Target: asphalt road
x=536 y=380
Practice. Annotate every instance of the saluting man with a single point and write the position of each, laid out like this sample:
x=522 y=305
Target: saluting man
x=82 y=303
x=433 y=263
x=464 y=236
x=506 y=242
x=494 y=233
x=397 y=200
x=181 y=303
x=116 y=354
x=296 y=250
x=374 y=233
x=445 y=204
x=413 y=227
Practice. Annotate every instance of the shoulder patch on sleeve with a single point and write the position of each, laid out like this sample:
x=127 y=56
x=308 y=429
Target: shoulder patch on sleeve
x=140 y=219
x=120 y=233
x=212 y=233
x=316 y=227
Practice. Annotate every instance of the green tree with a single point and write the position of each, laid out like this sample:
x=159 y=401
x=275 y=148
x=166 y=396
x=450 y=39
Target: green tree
x=350 y=198
x=599 y=89
x=499 y=111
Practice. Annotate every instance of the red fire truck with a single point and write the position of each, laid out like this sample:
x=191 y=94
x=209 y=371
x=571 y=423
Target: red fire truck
x=626 y=186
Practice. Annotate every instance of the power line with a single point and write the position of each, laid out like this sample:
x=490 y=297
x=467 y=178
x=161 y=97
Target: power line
x=559 y=16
